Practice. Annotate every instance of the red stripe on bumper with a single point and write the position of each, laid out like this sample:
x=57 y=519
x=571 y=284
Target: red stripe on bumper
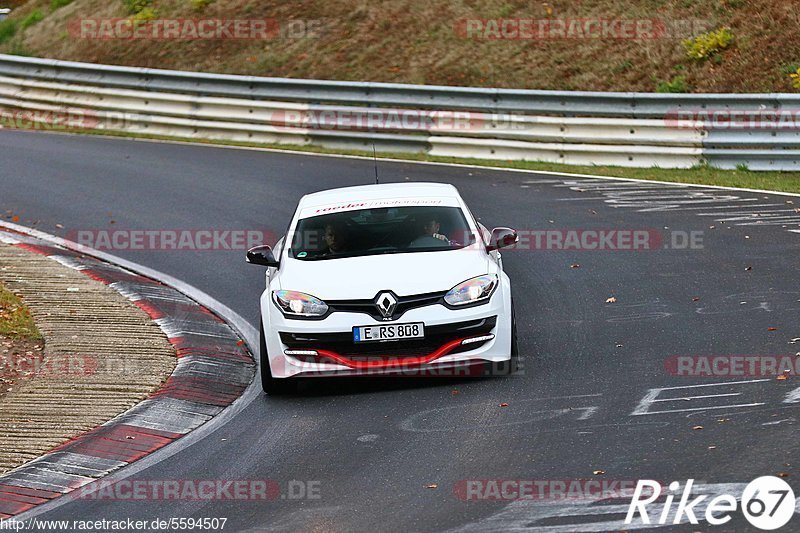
x=394 y=362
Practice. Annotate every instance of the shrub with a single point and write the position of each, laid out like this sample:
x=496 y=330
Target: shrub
x=19 y=49
x=8 y=28
x=675 y=85
x=201 y=5
x=708 y=44
x=137 y=6
x=623 y=66
x=795 y=76
x=32 y=18
x=147 y=13
x=55 y=4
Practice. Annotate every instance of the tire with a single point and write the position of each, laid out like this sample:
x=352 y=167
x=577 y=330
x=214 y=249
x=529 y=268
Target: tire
x=272 y=386
x=514 y=361
x=509 y=367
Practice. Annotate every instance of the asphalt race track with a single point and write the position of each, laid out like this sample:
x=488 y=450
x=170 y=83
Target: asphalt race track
x=580 y=404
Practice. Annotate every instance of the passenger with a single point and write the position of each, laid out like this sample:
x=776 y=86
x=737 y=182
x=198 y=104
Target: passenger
x=335 y=238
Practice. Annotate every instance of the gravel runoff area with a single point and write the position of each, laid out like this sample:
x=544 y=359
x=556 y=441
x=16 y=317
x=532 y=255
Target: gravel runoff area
x=102 y=356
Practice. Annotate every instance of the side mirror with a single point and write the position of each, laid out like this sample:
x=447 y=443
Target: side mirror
x=501 y=238
x=261 y=255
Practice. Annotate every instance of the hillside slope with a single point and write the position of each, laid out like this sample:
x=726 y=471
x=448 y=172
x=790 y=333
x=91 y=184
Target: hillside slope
x=418 y=41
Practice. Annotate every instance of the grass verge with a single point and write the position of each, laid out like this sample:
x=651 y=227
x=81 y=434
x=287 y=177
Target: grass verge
x=16 y=322
x=20 y=341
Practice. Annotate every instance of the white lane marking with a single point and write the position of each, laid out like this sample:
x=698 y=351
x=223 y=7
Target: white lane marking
x=766 y=213
x=652 y=397
x=777 y=422
x=689 y=398
x=793 y=396
x=735 y=406
x=646 y=199
x=773 y=222
x=718 y=384
x=638 y=191
x=749 y=206
x=750 y=211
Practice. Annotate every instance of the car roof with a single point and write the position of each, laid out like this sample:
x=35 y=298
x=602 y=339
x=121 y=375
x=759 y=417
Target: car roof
x=383 y=191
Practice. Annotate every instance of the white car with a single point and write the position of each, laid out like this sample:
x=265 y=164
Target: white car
x=384 y=279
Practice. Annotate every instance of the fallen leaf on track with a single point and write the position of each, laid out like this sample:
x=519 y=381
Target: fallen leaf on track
x=599 y=472
x=697 y=427
x=611 y=300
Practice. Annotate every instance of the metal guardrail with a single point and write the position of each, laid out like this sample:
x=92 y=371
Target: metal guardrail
x=629 y=129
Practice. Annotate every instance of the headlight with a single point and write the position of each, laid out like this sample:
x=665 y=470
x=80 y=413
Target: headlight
x=475 y=290
x=298 y=304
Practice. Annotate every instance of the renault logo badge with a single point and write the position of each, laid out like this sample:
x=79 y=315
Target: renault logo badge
x=386 y=304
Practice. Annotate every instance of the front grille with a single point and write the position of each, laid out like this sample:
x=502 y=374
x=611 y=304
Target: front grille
x=404 y=303
x=435 y=338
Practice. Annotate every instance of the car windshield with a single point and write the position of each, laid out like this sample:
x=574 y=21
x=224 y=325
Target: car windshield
x=385 y=230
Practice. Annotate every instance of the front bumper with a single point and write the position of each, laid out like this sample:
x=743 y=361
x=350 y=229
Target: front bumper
x=325 y=347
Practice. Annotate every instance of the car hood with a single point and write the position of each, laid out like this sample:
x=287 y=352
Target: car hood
x=405 y=274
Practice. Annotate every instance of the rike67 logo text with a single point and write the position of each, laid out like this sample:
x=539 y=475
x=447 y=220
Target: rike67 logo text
x=768 y=503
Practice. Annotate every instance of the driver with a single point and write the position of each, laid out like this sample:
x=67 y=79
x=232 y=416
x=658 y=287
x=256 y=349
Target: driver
x=431 y=229
x=429 y=236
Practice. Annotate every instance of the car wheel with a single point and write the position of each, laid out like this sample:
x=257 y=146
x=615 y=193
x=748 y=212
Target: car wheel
x=273 y=386
x=508 y=367
x=514 y=361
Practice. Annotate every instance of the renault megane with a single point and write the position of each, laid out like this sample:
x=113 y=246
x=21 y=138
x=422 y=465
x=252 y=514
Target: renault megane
x=382 y=279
